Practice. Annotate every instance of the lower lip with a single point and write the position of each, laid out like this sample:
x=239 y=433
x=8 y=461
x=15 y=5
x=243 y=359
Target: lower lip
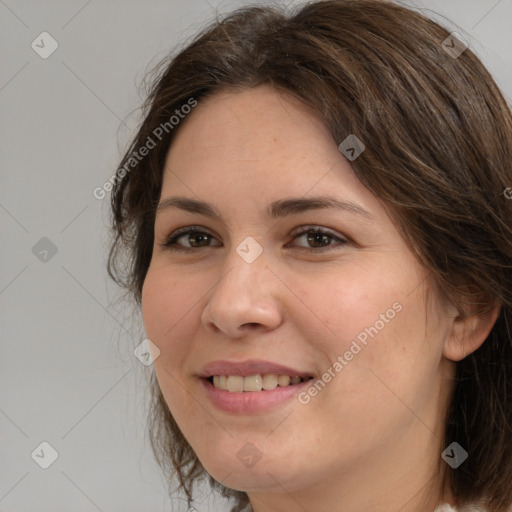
x=251 y=401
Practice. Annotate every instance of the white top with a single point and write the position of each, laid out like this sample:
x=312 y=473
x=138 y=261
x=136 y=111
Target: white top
x=468 y=508
x=441 y=508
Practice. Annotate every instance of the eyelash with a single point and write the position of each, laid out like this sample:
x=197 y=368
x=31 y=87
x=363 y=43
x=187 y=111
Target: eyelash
x=170 y=244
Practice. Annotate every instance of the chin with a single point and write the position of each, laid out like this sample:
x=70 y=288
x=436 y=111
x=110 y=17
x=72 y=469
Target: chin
x=262 y=475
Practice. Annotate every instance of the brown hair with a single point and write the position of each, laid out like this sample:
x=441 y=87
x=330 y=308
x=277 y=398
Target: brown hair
x=438 y=136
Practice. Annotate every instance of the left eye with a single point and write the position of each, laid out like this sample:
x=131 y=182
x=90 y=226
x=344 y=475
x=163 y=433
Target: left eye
x=316 y=238
x=193 y=236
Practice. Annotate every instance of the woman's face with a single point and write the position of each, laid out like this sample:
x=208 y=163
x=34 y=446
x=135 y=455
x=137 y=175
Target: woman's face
x=291 y=262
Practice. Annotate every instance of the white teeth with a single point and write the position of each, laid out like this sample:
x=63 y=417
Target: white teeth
x=283 y=380
x=235 y=383
x=223 y=382
x=220 y=382
x=270 y=382
x=254 y=383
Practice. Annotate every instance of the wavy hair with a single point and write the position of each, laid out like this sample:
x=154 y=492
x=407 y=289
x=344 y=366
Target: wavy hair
x=438 y=134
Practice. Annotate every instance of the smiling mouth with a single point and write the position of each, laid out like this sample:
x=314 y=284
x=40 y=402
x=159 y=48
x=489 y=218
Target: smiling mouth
x=254 y=383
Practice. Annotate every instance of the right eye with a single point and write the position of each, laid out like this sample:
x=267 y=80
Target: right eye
x=188 y=238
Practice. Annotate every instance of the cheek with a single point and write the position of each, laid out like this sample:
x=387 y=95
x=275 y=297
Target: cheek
x=170 y=312
x=355 y=303
x=369 y=325
x=165 y=301
x=169 y=308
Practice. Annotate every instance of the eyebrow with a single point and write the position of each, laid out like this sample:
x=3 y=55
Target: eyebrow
x=277 y=209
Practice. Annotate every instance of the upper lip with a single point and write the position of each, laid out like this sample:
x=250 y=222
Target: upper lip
x=249 y=367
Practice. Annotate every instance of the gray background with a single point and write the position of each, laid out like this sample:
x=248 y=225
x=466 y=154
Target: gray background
x=68 y=374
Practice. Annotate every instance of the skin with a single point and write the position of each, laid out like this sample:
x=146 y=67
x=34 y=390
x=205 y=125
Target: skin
x=371 y=439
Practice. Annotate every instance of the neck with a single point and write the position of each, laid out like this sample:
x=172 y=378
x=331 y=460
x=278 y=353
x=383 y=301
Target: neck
x=392 y=482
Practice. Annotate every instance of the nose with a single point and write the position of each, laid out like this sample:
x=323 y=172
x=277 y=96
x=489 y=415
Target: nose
x=245 y=299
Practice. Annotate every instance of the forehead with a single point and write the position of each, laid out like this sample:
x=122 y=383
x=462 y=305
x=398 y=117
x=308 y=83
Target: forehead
x=252 y=123
x=255 y=141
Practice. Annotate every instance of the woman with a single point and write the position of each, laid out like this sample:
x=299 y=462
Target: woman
x=318 y=233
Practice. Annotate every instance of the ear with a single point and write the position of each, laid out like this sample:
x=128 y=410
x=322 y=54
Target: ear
x=469 y=332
